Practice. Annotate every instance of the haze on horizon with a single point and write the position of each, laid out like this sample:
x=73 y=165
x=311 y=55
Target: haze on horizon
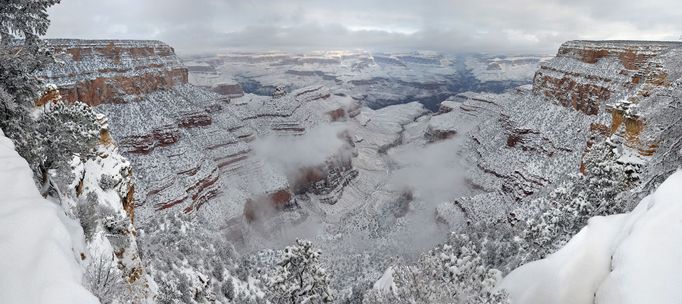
x=486 y=26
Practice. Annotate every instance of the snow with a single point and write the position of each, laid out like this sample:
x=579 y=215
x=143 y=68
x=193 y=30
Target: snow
x=39 y=244
x=626 y=258
x=386 y=283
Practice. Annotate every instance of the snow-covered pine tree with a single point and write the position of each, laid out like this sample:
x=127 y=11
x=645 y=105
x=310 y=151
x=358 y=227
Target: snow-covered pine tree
x=570 y=205
x=25 y=19
x=51 y=140
x=299 y=278
x=458 y=271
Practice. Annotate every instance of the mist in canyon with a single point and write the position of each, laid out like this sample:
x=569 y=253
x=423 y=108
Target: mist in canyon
x=355 y=152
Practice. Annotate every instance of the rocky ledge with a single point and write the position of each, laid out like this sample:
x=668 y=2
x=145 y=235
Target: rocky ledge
x=112 y=71
x=586 y=74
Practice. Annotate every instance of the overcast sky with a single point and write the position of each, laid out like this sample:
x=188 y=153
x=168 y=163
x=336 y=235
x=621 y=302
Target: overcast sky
x=490 y=26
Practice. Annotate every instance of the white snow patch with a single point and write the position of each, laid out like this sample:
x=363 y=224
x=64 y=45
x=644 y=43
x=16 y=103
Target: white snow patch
x=386 y=283
x=39 y=244
x=634 y=257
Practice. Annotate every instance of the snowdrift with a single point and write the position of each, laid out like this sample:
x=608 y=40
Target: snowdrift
x=39 y=245
x=634 y=257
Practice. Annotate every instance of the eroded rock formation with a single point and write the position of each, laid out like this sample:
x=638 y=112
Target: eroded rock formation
x=113 y=71
x=586 y=74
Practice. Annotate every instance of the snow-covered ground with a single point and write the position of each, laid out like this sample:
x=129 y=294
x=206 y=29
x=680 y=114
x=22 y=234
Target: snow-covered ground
x=634 y=257
x=40 y=246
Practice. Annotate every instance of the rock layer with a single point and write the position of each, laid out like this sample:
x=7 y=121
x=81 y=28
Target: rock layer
x=113 y=71
x=586 y=74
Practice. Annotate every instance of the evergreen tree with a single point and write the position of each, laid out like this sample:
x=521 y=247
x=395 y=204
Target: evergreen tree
x=458 y=271
x=299 y=278
x=25 y=19
x=53 y=138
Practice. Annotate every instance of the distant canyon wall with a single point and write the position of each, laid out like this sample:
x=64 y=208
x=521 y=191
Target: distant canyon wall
x=113 y=71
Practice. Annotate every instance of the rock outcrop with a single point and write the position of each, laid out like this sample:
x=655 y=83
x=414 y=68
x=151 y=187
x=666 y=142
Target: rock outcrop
x=112 y=71
x=188 y=145
x=586 y=74
x=590 y=92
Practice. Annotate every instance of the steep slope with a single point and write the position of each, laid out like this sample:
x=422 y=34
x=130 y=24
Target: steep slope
x=198 y=141
x=542 y=160
x=106 y=71
x=198 y=158
x=520 y=144
x=40 y=246
x=617 y=259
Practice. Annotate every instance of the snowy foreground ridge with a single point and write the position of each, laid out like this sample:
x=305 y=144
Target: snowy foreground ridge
x=39 y=244
x=634 y=257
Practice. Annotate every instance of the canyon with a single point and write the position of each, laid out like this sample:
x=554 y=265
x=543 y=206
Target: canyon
x=376 y=79
x=247 y=168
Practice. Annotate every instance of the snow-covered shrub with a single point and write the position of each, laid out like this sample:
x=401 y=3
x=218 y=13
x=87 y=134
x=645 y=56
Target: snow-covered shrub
x=571 y=204
x=50 y=140
x=88 y=213
x=67 y=130
x=454 y=272
x=299 y=277
x=192 y=264
x=103 y=279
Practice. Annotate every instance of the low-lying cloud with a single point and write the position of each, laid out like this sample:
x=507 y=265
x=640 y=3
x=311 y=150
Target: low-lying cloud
x=291 y=153
x=433 y=172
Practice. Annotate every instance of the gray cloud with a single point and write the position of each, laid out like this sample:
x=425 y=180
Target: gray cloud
x=517 y=26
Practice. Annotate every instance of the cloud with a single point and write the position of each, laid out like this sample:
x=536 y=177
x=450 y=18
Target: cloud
x=444 y=25
x=433 y=172
x=292 y=153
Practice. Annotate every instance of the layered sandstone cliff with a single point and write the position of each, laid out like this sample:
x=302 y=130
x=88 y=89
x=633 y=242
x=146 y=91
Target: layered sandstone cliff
x=522 y=143
x=188 y=145
x=586 y=74
x=112 y=71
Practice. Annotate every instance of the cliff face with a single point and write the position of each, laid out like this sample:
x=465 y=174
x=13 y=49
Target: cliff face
x=586 y=74
x=616 y=80
x=525 y=142
x=188 y=145
x=195 y=151
x=113 y=71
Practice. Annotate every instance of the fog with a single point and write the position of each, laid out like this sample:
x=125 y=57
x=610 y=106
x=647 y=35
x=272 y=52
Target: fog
x=291 y=153
x=433 y=172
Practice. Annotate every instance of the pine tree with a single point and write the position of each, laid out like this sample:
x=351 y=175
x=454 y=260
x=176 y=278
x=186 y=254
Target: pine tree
x=299 y=278
x=25 y=19
x=458 y=271
x=52 y=139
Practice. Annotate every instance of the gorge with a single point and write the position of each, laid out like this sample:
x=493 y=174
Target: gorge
x=216 y=164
